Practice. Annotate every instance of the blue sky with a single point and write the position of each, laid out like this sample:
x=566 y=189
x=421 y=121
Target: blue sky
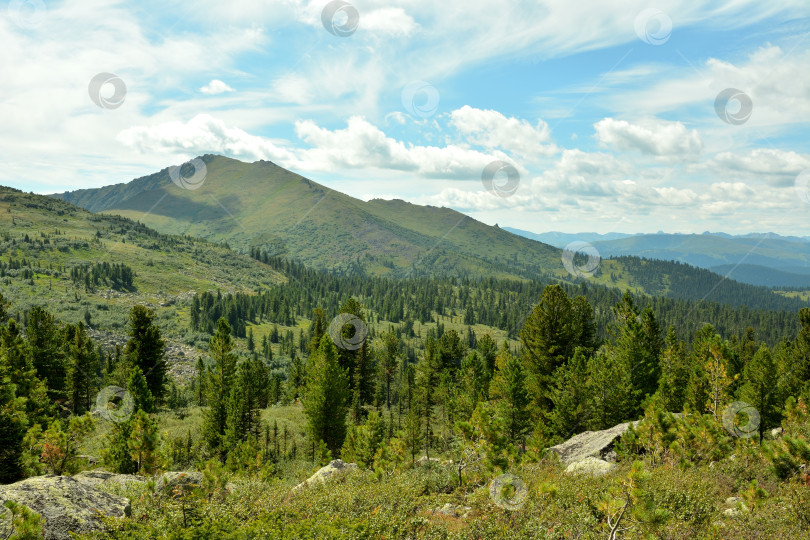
x=606 y=111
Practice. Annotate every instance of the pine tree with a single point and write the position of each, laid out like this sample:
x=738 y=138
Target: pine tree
x=611 y=387
x=13 y=424
x=571 y=397
x=508 y=389
x=389 y=362
x=83 y=363
x=144 y=442
x=139 y=390
x=759 y=388
x=43 y=336
x=427 y=378
x=145 y=349
x=326 y=398
x=219 y=385
x=674 y=374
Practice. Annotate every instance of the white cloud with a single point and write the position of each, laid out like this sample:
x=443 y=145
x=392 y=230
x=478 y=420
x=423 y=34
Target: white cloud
x=204 y=134
x=778 y=167
x=667 y=140
x=492 y=130
x=216 y=87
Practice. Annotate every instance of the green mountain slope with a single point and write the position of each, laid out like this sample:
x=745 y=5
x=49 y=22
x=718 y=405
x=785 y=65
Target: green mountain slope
x=262 y=207
x=54 y=254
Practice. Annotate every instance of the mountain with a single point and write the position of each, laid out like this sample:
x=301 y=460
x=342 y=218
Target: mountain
x=764 y=259
x=261 y=207
x=561 y=239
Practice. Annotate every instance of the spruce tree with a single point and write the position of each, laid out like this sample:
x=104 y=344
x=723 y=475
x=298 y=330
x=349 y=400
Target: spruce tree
x=219 y=385
x=326 y=398
x=44 y=337
x=83 y=363
x=759 y=389
x=427 y=378
x=139 y=390
x=573 y=403
x=508 y=389
x=674 y=374
x=145 y=349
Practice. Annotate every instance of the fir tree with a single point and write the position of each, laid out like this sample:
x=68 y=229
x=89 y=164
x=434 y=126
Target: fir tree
x=145 y=349
x=571 y=397
x=326 y=399
x=759 y=389
x=508 y=389
x=219 y=386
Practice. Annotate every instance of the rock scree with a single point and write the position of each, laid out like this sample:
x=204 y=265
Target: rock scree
x=65 y=504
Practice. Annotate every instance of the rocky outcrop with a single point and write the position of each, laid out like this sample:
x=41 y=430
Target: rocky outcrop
x=65 y=504
x=453 y=510
x=186 y=480
x=96 y=478
x=591 y=465
x=337 y=467
x=597 y=444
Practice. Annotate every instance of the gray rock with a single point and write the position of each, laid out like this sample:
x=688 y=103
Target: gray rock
x=337 y=467
x=97 y=477
x=598 y=444
x=453 y=510
x=6 y=527
x=424 y=460
x=591 y=465
x=65 y=504
x=187 y=480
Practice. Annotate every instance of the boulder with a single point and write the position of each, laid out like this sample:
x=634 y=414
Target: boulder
x=187 y=480
x=424 y=460
x=337 y=467
x=97 y=477
x=65 y=504
x=453 y=510
x=735 y=507
x=591 y=465
x=598 y=444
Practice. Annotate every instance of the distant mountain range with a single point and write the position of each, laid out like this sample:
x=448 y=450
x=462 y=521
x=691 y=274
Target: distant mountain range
x=765 y=259
x=261 y=206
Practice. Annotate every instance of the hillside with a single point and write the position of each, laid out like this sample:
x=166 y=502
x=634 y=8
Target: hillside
x=262 y=207
x=54 y=254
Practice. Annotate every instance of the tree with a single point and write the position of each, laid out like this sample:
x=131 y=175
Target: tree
x=326 y=398
x=427 y=378
x=488 y=350
x=139 y=389
x=389 y=362
x=242 y=419
x=83 y=363
x=13 y=424
x=508 y=389
x=571 y=397
x=612 y=391
x=759 y=388
x=550 y=335
x=143 y=442
x=219 y=385
x=44 y=337
x=451 y=350
x=674 y=374
x=59 y=448
x=145 y=349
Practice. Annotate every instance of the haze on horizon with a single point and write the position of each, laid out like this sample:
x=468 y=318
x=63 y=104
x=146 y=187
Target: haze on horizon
x=616 y=118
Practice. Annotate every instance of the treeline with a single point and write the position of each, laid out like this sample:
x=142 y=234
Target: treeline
x=502 y=304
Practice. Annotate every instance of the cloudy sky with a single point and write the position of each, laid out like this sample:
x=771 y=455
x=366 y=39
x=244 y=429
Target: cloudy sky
x=625 y=115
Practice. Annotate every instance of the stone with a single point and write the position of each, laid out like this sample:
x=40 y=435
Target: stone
x=591 y=465
x=187 y=480
x=454 y=510
x=65 y=504
x=337 y=467
x=597 y=444
x=97 y=477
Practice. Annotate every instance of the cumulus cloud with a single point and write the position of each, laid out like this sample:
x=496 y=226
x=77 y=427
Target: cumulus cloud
x=778 y=167
x=491 y=129
x=203 y=134
x=216 y=87
x=654 y=137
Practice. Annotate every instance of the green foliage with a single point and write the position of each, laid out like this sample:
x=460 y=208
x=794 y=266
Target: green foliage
x=571 y=397
x=760 y=388
x=326 y=400
x=58 y=446
x=145 y=349
x=511 y=397
x=25 y=523
x=144 y=442
x=139 y=389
